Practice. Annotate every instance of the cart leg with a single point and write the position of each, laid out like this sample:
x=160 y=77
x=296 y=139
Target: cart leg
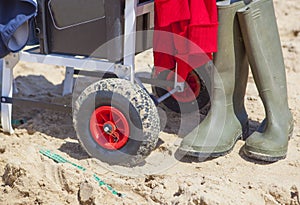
x=7 y=66
x=68 y=83
x=129 y=33
x=15 y=91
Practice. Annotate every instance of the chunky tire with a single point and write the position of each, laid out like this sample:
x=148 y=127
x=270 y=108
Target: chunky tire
x=195 y=96
x=137 y=112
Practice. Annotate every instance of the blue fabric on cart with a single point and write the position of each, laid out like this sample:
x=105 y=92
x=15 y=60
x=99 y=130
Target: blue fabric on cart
x=233 y=1
x=230 y=1
x=3 y=49
x=14 y=24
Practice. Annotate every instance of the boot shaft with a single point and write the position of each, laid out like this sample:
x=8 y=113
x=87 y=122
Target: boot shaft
x=228 y=33
x=261 y=37
x=231 y=60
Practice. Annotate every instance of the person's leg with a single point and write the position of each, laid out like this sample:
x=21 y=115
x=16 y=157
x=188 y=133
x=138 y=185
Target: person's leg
x=221 y=128
x=260 y=33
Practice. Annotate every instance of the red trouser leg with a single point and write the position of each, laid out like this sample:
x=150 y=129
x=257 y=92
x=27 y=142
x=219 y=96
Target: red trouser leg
x=187 y=60
x=171 y=45
x=163 y=49
x=181 y=42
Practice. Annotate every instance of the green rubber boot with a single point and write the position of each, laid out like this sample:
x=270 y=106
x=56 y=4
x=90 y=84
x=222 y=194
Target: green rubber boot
x=241 y=78
x=220 y=130
x=260 y=33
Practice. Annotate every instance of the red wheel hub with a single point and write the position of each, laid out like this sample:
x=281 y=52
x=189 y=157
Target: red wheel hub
x=109 y=127
x=191 y=92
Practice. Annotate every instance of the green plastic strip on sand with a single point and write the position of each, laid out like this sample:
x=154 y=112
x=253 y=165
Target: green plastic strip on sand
x=59 y=159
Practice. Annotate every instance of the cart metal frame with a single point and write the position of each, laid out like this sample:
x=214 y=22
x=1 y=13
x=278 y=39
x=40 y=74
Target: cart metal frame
x=125 y=70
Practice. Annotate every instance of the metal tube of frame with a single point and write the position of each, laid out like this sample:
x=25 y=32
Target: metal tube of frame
x=129 y=35
x=167 y=95
x=7 y=91
x=67 y=60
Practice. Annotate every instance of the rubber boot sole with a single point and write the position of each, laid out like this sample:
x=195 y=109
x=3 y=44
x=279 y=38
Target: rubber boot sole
x=265 y=157
x=198 y=154
x=262 y=157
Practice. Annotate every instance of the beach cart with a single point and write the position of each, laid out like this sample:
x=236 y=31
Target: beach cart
x=115 y=118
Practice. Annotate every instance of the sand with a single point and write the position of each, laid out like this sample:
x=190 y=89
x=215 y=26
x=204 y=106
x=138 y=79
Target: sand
x=27 y=177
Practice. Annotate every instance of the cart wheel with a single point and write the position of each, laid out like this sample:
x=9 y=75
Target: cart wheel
x=116 y=121
x=194 y=97
x=108 y=75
